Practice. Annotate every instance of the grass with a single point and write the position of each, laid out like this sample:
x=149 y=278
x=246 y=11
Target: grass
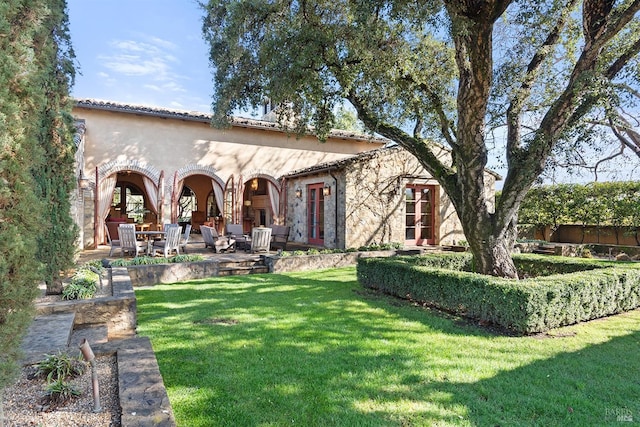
x=316 y=349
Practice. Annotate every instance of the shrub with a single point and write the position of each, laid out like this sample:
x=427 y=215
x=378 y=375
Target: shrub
x=523 y=306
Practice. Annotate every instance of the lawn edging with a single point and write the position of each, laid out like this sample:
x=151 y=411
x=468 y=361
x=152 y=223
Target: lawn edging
x=525 y=306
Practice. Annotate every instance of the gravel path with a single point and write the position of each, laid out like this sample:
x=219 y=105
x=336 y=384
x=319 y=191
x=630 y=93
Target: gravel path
x=24 y=403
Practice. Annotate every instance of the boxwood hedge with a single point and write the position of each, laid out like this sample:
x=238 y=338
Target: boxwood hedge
x=573 y=290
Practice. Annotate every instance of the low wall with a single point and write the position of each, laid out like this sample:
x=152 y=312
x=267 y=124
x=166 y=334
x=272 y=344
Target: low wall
x=291 y=263
x=117 y=311
x=590 y=234
x=149 y=275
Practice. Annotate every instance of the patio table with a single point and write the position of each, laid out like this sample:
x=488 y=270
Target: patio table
x=146 y=235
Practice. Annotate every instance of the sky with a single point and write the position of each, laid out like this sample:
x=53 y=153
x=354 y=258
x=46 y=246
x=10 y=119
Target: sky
x=148 y=52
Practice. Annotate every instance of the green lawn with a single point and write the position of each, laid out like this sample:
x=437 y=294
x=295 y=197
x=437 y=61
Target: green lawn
x=315 y=349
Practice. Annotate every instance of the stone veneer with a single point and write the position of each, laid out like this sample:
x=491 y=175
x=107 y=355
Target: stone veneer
x=367 y=201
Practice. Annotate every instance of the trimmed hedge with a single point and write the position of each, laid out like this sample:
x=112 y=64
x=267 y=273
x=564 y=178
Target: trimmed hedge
x=523 y=306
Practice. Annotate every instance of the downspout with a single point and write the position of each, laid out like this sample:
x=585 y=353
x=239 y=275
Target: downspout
x=335 y=180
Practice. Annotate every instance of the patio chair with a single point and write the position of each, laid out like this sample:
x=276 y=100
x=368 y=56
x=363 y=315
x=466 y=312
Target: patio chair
x=128 y=241
x=234 y=231
x=115 y=244
x=279 y=236
x=260 y=239
x=185 y=238
x=215 y=241
x=170 y=243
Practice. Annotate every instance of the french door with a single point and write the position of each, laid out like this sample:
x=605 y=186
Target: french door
x=420 y=215
x=315 y=212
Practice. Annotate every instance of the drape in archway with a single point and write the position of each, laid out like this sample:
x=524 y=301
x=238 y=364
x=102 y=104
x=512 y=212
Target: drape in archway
x=218 y=193
x=152 y=193
x=105 y=197
x=274 y=198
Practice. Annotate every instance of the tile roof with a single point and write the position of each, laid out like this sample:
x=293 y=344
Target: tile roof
x=342 y=163
x=206 y=118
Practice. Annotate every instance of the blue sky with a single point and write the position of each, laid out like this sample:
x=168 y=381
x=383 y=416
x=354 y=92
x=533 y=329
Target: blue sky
x=148 y=52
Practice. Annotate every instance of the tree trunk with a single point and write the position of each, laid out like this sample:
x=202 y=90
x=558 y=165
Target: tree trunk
x=54 y=287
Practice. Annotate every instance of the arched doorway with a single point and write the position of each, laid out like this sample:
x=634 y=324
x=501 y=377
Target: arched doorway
x=198 y=199
x=260 y=202
x=130 y=202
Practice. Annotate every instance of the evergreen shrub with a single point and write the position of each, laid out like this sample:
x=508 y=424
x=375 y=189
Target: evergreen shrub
x=526 y=306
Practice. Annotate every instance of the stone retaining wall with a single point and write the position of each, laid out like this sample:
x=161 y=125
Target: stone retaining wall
x=291 y=263
x=149 y=275
x=118 y=311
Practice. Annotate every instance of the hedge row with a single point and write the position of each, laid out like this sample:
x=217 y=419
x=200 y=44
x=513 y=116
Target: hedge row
x=523 y=306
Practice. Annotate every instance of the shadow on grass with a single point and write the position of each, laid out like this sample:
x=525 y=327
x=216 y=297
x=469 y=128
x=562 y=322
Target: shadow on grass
x=313 y=350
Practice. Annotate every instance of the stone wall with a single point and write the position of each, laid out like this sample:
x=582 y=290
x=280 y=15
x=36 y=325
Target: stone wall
x=148 y=275
x=118 y=311
x=317 y=262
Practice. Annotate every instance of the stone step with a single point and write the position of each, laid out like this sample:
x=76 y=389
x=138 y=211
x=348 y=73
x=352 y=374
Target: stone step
x=95 y=334
x=47 y=334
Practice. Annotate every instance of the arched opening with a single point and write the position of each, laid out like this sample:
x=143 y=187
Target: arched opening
x=260 y=203
x=201 y=201
x=130 y=201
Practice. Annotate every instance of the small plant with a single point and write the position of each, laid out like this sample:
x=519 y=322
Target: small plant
x=313 y=251
x=59 y=392
x=586 y=253
x=75 y=291
x=95 y=266
x=59 y=367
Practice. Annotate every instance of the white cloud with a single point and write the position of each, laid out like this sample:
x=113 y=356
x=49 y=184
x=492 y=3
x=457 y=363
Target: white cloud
x=151 y=58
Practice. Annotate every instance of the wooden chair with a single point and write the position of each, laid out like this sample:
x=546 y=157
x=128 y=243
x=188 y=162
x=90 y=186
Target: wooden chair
x=260 y=239
x=279 y=236
x=170 y=243
x=234 y=231
x=128 y=241
x=215 y=241
x=115 y=244
x=185 y=238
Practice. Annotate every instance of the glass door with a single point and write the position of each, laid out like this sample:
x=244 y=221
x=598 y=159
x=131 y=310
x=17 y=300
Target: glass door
x=420 y=215
x=315 y=209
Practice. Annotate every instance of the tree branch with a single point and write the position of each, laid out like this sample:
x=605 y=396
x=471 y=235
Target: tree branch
x=514 y=111
x=415 y=146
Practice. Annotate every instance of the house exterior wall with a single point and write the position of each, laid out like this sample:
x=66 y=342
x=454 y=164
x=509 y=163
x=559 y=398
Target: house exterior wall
x=152 y=143
x=369 y=204
x=169 y=144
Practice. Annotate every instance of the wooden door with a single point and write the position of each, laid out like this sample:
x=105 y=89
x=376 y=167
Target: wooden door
x=420 y=215
x=315 y=212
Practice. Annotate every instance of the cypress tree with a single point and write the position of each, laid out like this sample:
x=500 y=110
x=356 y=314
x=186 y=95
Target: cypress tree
x=35 y=76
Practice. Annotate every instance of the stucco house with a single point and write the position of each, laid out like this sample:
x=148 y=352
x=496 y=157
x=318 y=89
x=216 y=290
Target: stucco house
x=156 y=165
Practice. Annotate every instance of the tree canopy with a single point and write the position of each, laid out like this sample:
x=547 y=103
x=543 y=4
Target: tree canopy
x=436 y=72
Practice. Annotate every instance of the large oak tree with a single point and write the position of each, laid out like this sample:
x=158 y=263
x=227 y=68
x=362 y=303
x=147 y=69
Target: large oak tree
x=427 y=72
